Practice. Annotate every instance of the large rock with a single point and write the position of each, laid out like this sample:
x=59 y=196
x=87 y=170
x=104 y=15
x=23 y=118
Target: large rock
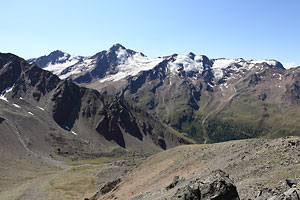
x=217 y=186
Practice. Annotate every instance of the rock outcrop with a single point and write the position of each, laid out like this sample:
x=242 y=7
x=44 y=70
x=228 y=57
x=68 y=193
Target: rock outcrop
x=287 y=190
x=217 y=186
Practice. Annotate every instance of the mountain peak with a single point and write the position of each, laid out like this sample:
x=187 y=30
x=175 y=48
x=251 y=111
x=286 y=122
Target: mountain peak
x=57 y=53
x=116 y=47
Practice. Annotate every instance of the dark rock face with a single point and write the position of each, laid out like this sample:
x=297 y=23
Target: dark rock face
x=110 y=129
x=10 y=70
x=72 y=106
x=109 y=186
x=1 y=120
x=67 y=105
x=217 y=186
x=27 y=79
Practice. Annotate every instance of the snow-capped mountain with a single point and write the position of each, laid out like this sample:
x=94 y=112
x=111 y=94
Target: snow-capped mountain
x=113 y=64
x=46 y=109
x=209 y=99
x=56 y=61
x=119 y=63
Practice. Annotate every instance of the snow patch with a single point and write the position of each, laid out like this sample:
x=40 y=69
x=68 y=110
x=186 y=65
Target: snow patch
x=221 y=64
x=16 y=105
x=65 y=57
x=187 y=64
x=73 y=132
x=41 y=108
x=210 y=85
x=122 y=55
x=132 y=66
x=2 y=97
x=7 y=90
x=57 y=68
x=86 y=65
x=269 y=62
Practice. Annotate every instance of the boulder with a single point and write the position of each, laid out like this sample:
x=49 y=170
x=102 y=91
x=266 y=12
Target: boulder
x=174 y=183
x=216 y=186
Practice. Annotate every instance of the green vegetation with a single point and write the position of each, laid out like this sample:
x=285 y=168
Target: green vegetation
x=246 y=117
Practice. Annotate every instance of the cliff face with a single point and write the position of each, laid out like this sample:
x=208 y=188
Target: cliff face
x=74 y=114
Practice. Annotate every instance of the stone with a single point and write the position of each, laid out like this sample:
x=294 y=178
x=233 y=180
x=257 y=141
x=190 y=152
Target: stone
x=216 y=186
x=174 y=183
x=109 y=186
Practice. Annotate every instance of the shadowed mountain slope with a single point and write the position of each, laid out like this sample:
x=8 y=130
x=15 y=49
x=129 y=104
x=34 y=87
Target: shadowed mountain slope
x=53 y=116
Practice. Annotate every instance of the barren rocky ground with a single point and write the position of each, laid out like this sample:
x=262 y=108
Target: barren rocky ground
x=255 y=166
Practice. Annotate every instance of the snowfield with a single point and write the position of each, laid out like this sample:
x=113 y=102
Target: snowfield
x=130 y=63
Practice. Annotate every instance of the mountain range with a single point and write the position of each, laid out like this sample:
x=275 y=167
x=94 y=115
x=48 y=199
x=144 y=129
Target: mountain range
x=49 y=116
x=210 y=100
x=76 y=127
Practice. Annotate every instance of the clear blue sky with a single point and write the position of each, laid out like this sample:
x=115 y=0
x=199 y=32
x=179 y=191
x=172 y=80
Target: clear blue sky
x=252 y=29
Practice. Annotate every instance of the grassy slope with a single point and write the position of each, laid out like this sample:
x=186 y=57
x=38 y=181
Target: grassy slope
x=246 y=118
x=77 y=180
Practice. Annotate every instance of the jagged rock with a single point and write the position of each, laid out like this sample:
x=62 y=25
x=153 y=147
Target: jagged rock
x=217 y=186
x=109 y=186
x=175 y=181
x=268 y=194
x=105 y=189
x=290 y=182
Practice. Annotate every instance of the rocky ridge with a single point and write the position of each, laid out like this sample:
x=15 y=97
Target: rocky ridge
x=197 y=95
x=80 y=121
